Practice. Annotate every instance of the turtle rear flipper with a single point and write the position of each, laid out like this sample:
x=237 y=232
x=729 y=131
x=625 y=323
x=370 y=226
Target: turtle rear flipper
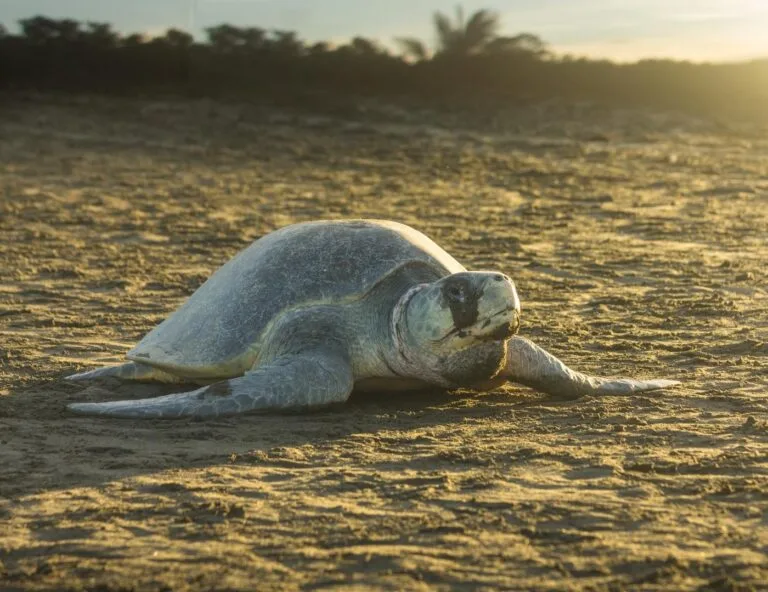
x=127 y=371
x=533 y=366
x=310 y=379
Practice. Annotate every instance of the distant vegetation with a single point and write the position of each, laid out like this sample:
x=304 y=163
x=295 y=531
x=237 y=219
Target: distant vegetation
x=471 y=64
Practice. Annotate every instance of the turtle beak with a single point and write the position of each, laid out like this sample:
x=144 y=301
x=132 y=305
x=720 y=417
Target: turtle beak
x=505 y=322
x=508 y=328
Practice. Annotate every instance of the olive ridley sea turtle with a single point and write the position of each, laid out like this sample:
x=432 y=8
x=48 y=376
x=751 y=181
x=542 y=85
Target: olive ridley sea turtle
x=309 y=312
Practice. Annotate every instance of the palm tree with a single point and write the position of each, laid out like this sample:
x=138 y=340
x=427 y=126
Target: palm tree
x=465 y=37
x=460 y=37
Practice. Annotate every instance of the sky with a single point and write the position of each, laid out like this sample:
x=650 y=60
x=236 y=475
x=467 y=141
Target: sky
x=623 y=30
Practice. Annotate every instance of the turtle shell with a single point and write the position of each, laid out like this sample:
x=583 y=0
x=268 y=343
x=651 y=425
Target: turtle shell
x=217 y=331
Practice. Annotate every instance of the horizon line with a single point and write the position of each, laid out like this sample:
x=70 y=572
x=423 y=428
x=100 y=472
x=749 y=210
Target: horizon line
x=567 y=50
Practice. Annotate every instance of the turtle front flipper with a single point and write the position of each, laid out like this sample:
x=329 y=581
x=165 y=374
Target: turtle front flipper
x=533 y=366
x=300 y=381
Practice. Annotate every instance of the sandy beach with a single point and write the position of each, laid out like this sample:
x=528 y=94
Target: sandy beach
x=639 y=245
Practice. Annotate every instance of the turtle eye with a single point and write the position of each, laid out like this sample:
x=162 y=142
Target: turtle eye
x=456 y=293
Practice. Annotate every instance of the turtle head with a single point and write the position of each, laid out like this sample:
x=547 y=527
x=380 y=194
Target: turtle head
x=457 y=327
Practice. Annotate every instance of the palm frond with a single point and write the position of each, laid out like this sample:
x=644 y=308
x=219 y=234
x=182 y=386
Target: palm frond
x=481 y=29
x=413 y=48
x=446 y=34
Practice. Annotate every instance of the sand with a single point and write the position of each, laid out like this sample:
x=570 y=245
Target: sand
x=638 y=242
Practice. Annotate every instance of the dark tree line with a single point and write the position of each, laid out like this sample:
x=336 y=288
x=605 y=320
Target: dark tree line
x=470 y=64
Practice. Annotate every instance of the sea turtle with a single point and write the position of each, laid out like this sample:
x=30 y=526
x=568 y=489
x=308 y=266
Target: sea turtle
x=312 y=310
